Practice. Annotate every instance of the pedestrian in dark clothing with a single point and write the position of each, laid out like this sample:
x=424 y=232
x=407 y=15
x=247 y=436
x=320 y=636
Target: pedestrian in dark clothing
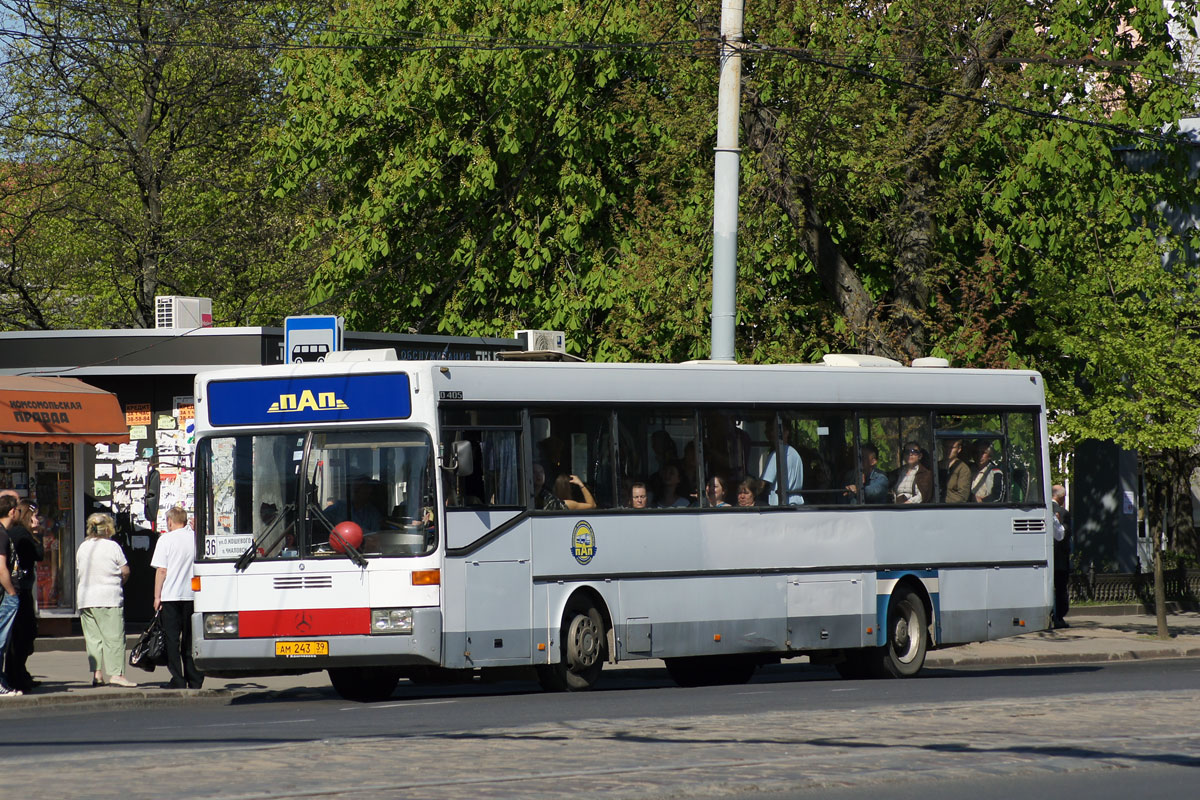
x=25 y=538
x=1062 y=556
x=8 y=598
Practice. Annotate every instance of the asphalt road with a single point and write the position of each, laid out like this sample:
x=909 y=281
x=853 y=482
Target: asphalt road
x=792 y=732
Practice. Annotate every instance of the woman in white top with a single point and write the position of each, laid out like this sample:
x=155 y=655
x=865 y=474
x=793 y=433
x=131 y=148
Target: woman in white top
x=103 y=570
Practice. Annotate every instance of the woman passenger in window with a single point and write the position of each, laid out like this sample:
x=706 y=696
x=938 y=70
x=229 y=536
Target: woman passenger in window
x=914 y=482
x=562 y=490
x=714 y=492
x=669 y=497
x=958 y=474
x=745 y=493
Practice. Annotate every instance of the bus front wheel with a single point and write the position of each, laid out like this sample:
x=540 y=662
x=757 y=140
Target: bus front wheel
x=582 y=649
x=364 y=684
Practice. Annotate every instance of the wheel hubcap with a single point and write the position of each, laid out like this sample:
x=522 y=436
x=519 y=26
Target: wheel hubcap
x=903 y=642
x=583 y=643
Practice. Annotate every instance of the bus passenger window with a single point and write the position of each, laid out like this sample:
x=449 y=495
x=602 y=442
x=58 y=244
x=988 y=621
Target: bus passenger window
x=825 y=442
x=574 y=454
x=658 y=449
x=1024 y=450
x=904 y=446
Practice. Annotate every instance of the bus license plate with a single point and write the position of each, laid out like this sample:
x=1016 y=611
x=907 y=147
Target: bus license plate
x=302 y=648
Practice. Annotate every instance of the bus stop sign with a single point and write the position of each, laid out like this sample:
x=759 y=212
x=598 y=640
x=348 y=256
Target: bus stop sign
x=307 y=339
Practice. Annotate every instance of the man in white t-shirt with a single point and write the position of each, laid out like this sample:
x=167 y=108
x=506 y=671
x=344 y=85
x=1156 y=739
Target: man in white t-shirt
x=173 y=560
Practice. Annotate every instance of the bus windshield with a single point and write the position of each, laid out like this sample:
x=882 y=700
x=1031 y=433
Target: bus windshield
x=281 y=494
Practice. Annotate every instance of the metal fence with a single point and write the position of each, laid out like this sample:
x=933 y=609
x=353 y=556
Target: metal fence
x=1138 y=587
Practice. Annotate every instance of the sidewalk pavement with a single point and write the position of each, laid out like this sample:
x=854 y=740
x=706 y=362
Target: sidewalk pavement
x=1093 y=636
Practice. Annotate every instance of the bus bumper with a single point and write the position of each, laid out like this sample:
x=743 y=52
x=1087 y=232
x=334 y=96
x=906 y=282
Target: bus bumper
x=257 y=656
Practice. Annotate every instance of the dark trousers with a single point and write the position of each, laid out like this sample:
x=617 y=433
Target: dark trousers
x=20 y=643
x=177 y=631
x=1062 y=594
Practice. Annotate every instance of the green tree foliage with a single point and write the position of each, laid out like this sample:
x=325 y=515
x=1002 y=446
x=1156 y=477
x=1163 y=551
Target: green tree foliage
x=906 y=181
x=480 y=185
x=131 y=132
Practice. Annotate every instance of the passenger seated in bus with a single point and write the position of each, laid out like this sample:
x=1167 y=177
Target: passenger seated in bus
x=562 y=490
x=715 y=492
x=795 y=469
x=914 y=480
x=360 y=509
x=669 y=497
x=958 y=474
x=552 y=453
x=746 y=493
x=872 y=480
x=987 y=485
x=687 y=474
x=663 y=447
x=817 y=477
x=543 y=498
x=638 y=496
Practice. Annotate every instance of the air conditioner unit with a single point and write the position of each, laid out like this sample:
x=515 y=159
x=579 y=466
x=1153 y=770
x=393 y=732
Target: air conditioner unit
x=543 y=341
x=172 y=311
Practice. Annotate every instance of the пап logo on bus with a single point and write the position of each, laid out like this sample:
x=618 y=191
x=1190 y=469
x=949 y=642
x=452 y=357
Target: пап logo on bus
x=583 y=542
x=307 y=401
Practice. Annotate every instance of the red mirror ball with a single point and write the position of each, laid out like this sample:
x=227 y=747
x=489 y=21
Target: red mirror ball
x=349 y=532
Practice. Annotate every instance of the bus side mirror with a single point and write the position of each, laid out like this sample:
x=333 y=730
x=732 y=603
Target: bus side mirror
x=461 y=459
x=464 y=459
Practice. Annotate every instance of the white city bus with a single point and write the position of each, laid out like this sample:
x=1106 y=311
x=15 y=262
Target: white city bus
x=463 y=544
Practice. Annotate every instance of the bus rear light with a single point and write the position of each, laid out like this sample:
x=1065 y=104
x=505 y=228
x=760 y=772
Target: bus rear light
x=195 y=583
x=391 y=620
x=221 y=626
x=427 y=577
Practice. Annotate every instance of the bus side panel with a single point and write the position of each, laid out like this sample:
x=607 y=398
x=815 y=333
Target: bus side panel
x=489 y=601
x=828 y=610
x=963 y=598
x=1019 y=599
x=702 y=615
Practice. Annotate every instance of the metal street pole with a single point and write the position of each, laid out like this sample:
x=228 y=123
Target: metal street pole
x=725 y=183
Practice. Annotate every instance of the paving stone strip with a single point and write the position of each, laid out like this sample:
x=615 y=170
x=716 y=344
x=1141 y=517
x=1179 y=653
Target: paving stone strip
x=700 y=756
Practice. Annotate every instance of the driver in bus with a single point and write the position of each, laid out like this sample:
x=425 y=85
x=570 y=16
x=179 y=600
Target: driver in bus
x=360 y=509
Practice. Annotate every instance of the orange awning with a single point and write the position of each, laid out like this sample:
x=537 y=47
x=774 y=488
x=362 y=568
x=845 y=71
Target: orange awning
x=58 y=410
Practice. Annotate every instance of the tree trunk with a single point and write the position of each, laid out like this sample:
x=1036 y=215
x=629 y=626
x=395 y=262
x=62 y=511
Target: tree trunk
x=793 y=194
x=1160 y=588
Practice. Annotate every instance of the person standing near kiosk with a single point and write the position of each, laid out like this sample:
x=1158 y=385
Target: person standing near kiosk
x=10 y=601
x=174 y=558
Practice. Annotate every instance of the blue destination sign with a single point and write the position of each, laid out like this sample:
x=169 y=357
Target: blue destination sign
x=285 y=401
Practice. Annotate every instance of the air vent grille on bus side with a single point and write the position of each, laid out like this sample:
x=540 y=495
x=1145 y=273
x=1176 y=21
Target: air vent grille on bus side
x=304 y=582
x=1029 y=526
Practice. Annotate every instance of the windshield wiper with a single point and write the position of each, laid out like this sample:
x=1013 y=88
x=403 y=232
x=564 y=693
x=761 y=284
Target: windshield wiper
x=350 y=551
x=252 y=551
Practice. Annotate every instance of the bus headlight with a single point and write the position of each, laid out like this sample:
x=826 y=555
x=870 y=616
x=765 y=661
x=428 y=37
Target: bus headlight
x=219 y=626
x=391 y=620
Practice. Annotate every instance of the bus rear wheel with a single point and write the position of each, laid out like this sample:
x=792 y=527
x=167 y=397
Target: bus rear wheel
x=583 y=645
x=907 y=636
x=364 y=684
x=711 y=670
